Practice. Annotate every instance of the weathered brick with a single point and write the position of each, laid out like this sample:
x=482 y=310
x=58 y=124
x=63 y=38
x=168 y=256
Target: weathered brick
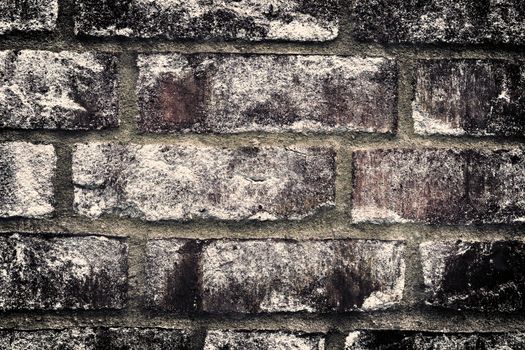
x=311 y=20
x=439 y=186
x=26 y=172
x=64 y=90
x=28 y=16
x=470 y=97
x=440 y=21
x=96 y=339
x=183 y=182
x=265 y=276
x=407 y=340
x=475 y=275
x=240 y=93
x=253 y=340
x=60 y=272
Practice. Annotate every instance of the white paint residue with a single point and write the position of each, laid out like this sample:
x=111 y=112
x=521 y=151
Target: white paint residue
x=376 y=215
x=351 y=339
x=424 y=124
x=279 y=302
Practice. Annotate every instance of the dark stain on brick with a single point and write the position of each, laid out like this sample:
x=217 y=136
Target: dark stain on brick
x=183 y=285
x=101 y=14
x=484 y=276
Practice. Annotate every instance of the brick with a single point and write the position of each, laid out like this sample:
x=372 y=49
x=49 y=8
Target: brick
x=61 y=272
x=438 y=186
x=267 y=276
x=183 y=182
x=475 y=275
x=470 y=97
x=237 y=340
x=28 y=16
x=26 y=172
x=96 y=339
x=440 y=21
x=274 y=93
x=253 y=20
x=64 y=90
x=407 y=340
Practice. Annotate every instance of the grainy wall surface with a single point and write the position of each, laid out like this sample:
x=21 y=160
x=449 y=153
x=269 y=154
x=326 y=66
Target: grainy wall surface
x=285 y=174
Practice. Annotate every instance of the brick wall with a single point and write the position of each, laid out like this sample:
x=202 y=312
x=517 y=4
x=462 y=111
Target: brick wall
x=292 y=174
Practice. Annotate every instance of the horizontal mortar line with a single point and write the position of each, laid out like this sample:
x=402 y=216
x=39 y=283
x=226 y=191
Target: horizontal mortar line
x=122 y=227
x=342 y=46
x=355 y=140
x=421 y=320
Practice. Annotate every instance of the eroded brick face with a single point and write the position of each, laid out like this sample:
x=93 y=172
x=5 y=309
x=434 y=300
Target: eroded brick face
x=161 y=182
x=440 y=21
x=272 y=93
x=26 y=174
x=55 y=273
x=448 y=186
x=470 y=97
x=485 y=276
x=28 y=16
x=191 y=19
x=65 y=90
x=399 y=340
x=97 y=339
x=217 y=340
x=267 y=276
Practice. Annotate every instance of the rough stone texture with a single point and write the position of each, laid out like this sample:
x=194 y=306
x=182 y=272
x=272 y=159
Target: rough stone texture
x=240 y=93
x=440 y=21
x=470 y=97
x=26 y=172
x=439 y=186
x=266 y=276
x=297 y=20
x=96 y=339
x=169 y=182
x=28 y=16
x=64 y=90
x=250 y=340
x=475 y=275
x=53 y=273
x=404 y=340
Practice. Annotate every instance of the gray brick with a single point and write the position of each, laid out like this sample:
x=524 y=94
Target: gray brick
x=273 y=93
x=96 y=339
x=64 y=90
x=168 y=182
x=406 y=340
x=256 y=20
x=268 y=276
x=26 y=172
x=53 y=272
x=254 y=340
x=439 y=186
x=486 y=276
x=440 y=21
x=28 y=16
x=470 y=97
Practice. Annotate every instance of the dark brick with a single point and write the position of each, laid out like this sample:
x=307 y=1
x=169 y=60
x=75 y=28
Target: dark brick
x=65 y=90
x=470 y=97
x=97 y=339
x=28 y=16
x=240 y=93
x=406 y=340
x=169 y=182
x=440 y=21
x=267 y=276
x=53 y=272
x=26 y=172
x=486 y=276
x=255 y=340
x=300 y=20
x=439 y=186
